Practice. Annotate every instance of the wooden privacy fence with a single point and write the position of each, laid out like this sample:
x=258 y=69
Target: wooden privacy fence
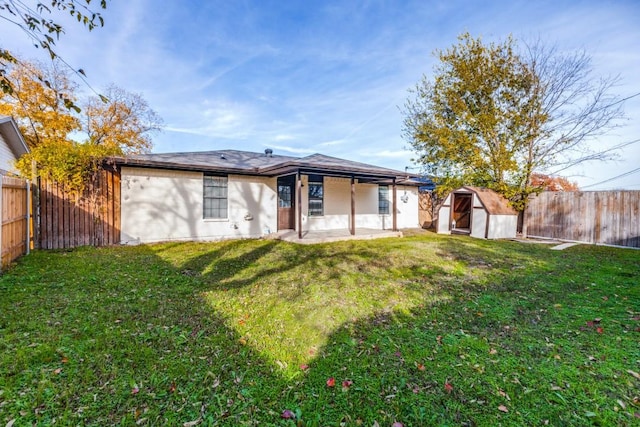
x=65 y=221
x=15 y=219
x=600 y=217
x=425 y=209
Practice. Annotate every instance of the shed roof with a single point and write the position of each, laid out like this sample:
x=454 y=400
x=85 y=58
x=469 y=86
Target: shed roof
x=245 y=162
x=494 y=203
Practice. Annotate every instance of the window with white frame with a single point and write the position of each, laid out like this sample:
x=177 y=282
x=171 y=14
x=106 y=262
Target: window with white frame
x=383 y=199
x=316 y=195
x=215 y=199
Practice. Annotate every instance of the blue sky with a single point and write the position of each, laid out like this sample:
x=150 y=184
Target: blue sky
x=329 y=76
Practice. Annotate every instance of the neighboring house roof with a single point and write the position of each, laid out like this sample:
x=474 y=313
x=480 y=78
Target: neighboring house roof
x=266 y=164
x=493 y=202
x=12 y=136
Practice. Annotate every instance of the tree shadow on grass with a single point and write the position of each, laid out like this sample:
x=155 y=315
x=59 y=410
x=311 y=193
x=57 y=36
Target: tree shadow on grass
x=154 y=339
x=140 y=346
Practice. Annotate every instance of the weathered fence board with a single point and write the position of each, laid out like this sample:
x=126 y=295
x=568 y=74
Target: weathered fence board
x=15 y=219
x=425 y=209
x=67 y=221
x=601 y=217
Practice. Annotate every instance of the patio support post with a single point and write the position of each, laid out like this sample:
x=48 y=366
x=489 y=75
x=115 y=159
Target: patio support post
x=299 y=203
x=395 y=210
x=352 y=225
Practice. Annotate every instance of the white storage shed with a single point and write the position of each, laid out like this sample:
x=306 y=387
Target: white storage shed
x=478 y=212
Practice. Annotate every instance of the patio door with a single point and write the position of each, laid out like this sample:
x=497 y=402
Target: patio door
x=286 y=203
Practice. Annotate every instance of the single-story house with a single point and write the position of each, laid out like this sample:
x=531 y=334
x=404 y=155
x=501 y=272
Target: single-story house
x=478 y=212
x=238 y=194
x=12 y=145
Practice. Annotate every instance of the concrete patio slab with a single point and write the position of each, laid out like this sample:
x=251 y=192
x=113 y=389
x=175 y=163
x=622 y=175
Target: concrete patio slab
x=312 y=237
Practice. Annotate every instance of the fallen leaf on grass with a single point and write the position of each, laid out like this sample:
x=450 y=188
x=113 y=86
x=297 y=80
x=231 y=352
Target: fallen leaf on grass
x=192 y=423
x=503 y=408
x=634 y=374
x=10 y=423
x=421 y=367
x=57 y=371
x=331 y=382
x=493 y=351
x=287 y=414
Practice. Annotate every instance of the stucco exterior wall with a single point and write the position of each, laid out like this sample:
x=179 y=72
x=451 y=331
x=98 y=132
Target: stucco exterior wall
x=159 y=205
x=6 y=156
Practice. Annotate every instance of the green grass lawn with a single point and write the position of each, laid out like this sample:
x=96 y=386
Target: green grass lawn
x=423 y=330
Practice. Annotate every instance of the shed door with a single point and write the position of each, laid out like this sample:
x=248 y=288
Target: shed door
x=286 y=203
x=462 y=205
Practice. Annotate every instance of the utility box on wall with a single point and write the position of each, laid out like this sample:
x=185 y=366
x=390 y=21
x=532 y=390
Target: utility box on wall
x=478 y=212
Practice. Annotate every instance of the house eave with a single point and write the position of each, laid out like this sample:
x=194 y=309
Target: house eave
x=13 y=137
x=285 y=168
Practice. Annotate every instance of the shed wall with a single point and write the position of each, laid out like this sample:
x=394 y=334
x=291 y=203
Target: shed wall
x=444 y=214
x=479 y=220
x=502 y=226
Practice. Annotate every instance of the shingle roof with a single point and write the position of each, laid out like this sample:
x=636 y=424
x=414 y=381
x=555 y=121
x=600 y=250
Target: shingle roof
x=236 y=161
x=208 y=160
x=493 y=202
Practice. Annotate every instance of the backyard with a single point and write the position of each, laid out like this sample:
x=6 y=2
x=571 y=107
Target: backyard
x=422 y=330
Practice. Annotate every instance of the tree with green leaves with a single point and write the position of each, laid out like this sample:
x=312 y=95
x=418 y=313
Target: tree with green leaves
x=65 y=144
x=34 y=18
x=492 y=115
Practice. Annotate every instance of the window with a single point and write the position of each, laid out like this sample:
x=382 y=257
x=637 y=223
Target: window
x=215 y=197
x=383 y=199
x=316 y=195
x=284 y=196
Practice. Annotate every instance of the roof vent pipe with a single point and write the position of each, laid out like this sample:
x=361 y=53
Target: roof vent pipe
x=268 y=152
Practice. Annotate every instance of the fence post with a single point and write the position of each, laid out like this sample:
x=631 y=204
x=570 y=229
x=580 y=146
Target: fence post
x=29 y=216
